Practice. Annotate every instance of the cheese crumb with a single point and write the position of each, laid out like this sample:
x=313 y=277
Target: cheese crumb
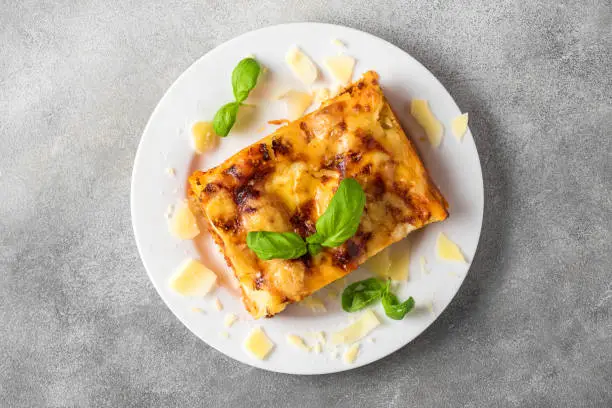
x=217 y=304
x=351 y=354
x=317 y=348
x=224 y=335
x=333 y=354
x=183 y=224
x=358 y=330
x=419 y=109
x=372 y=340
x=197 y=310
x=448 y=250
x=337 y=43
x=258 y=344
x=297 y=341
x=459 y=126
x=192 y=279
x=169 y=211
x=171 y=171
x=230 y=319
x=423 y=263
x=430 y=307
x=340 y=67
x=301 y=66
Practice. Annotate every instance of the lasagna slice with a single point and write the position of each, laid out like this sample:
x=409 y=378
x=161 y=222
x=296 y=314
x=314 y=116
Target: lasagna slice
x=285 y=181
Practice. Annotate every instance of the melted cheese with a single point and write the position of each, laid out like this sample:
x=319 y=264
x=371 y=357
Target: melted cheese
x=448 y=250
x=258 y=344
x=419 y=109
x=459 y=126
x=357 y=330
x=340 y=67
x=192 y=279
x=183 y=224
x=301 y=66
x=350 y=355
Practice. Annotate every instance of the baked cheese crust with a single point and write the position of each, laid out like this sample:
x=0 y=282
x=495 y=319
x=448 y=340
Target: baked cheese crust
x=285 y=181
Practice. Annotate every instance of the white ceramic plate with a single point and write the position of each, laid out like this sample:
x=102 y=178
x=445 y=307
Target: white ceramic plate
x=199 y=92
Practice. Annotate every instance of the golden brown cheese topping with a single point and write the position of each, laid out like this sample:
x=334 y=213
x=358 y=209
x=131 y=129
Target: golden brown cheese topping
x=286 y=180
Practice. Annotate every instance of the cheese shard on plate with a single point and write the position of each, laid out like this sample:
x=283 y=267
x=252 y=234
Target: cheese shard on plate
x=285 y=182
x=192 y=278
x=448 y=250
x=459 y=126
x=419 y=109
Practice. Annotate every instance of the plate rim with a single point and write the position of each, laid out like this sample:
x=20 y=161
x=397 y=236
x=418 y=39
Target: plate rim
x=261 y=364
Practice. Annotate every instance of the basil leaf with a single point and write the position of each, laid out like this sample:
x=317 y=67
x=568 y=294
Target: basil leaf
x=225 y=118
x=314 y=249
x=393 y=308
x=340 y=220
x=244 y=78
x=360 y=294
x=276 y=245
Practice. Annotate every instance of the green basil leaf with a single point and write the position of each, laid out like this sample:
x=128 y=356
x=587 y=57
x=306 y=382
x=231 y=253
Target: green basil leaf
x=360 y=294
x=244 y=78
x=340 y=220
x=225 y=118
x=393 y=308
x=276 y=245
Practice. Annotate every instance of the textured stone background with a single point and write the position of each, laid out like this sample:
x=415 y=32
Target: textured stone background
x=81 y=324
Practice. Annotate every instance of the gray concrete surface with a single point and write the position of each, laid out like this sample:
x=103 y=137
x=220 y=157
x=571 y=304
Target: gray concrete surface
x=81 y=324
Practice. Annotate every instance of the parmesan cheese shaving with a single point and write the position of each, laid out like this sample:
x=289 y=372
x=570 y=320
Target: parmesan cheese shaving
x=301 y=66
x=192 y=279
x=357 y=330
x=340 y=67
x=297 y=102
x=230 y=319
x=448 y=250
x=459 y=126
x=183 y=224
x=419 y=109
x=258 y=344
x=351 y=354
x=297 y=342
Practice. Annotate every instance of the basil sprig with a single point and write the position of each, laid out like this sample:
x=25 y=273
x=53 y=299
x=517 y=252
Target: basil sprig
x=338 y=223
x=341 y=219
x=244 y=79
x=358 y=295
